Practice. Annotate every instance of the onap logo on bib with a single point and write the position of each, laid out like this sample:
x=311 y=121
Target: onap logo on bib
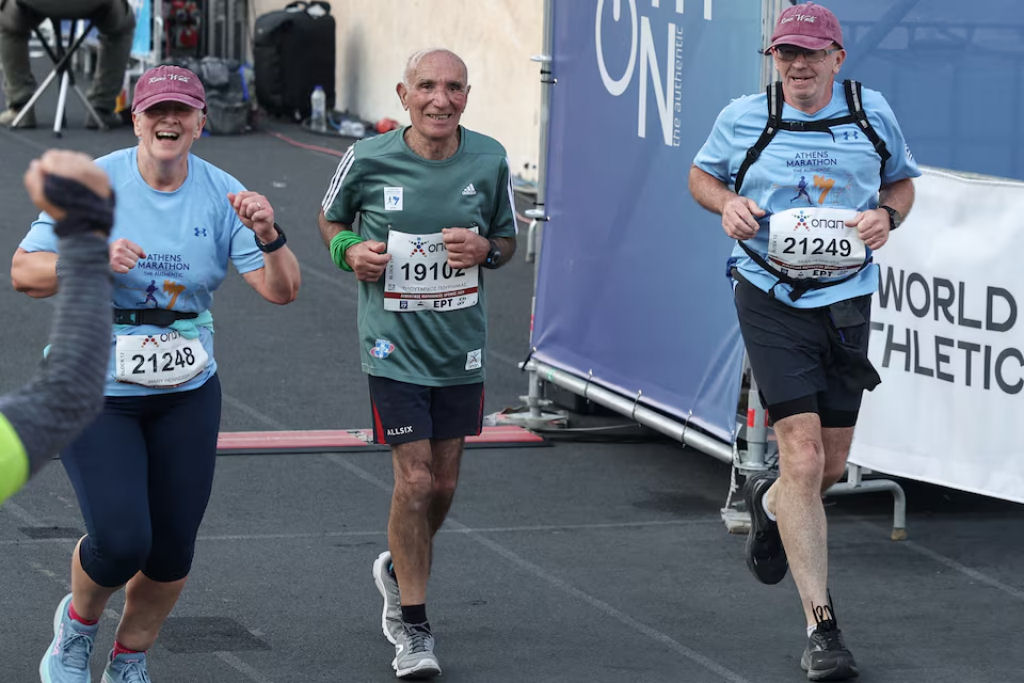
x=418 y=276
x=814 y=242
x=161 y=360
x=665 y=76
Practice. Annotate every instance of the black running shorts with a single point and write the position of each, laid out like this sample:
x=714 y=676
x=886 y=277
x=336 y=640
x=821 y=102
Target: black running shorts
x=801 y=359
x=404 y=412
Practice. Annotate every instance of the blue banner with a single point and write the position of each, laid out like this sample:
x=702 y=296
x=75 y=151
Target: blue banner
x=632 y=289
x=953 y=72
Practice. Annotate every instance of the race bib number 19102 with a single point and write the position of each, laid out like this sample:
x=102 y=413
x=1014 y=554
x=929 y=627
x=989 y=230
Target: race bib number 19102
x=419 y=278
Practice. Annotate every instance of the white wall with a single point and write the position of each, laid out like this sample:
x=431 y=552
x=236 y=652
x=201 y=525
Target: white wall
x=496 y=39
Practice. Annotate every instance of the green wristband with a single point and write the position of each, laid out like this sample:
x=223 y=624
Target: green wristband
x=340 y=244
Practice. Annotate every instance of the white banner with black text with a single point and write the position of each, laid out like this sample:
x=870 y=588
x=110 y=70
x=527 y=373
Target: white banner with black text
x=946 y=338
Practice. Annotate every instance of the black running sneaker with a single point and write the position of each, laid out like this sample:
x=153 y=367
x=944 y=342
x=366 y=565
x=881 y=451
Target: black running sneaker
x=826 y=658
x=766 y=557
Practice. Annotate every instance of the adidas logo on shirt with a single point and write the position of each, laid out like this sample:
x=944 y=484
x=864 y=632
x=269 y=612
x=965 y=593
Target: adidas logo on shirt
x=469 y=190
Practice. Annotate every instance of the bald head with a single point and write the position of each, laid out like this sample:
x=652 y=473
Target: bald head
x=413 y=63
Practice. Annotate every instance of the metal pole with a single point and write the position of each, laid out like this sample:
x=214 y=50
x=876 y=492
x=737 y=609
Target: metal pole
x=537 y=214
x=631 y=407
x=753 y=458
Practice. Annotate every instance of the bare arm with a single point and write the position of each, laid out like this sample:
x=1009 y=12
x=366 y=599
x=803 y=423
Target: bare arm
x=367 y=259
x=873 y=225
x=328 y=229
x=898 y=195
x=279 y=279
x=739 y=214
x=507 y=246
x=34 y=273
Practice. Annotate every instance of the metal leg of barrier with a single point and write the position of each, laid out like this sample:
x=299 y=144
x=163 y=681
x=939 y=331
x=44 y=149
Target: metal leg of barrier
x=854 y=484
x=538 y=412
x=758 y=455
x=531 y=240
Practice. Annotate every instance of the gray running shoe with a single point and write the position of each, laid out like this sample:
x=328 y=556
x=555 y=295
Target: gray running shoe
x=391 y=617
x=414 y=654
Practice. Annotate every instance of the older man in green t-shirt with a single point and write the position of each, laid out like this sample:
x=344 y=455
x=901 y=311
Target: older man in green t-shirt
x=435 y=207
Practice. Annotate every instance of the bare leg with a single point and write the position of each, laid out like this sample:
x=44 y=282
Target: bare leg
x=409 y=529
x=426 y=473
x=146 y=606
x=810 y=460
x=447 y=458
x=88 y=597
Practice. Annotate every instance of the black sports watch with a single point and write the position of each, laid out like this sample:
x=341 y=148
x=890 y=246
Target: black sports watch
x=493 y=256
x=268 y=247
x=895 y=217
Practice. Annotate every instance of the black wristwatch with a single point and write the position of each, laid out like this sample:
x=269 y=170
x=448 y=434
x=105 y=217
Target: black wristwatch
x=272 y=246
x=493 y=256
x=895 y=217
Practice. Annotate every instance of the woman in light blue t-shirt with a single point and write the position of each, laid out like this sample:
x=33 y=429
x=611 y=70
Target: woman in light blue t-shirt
x=143 y=470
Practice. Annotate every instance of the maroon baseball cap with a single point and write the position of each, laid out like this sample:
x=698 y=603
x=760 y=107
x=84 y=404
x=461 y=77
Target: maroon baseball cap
x=807 y=25
x=168 y=84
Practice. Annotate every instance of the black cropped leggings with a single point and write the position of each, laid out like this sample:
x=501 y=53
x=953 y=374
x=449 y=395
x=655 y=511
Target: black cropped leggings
x=142 y=472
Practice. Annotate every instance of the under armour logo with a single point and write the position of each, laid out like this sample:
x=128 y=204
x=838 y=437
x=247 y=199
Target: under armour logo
x=200 y=232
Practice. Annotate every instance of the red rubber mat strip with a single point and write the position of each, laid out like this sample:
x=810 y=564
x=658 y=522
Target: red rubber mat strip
x=313 y=440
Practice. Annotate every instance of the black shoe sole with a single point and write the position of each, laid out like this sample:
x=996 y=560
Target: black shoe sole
x=773 y=570
x=843 y=670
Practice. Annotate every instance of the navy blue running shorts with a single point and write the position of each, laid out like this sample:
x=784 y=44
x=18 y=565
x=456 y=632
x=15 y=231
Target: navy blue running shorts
x=404 y=412
x=801 y=359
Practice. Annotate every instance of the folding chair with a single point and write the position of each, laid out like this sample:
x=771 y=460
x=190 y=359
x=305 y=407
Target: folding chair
x=61 y=54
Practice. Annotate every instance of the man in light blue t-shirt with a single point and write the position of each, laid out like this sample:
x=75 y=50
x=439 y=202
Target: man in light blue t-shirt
x=827 y=178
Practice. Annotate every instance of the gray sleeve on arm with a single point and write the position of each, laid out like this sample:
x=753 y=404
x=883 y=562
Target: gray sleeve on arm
x=66 y=392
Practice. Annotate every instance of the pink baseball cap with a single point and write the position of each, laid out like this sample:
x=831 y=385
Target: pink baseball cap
x=168 y=84
x=807 y=25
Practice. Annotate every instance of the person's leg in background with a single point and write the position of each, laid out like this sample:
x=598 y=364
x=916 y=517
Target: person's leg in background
x=16 y=24
x=116 y=26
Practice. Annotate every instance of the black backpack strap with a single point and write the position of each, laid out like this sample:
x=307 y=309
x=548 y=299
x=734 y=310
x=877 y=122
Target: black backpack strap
x=797 y=287
x=774 y=93
x=855 y=103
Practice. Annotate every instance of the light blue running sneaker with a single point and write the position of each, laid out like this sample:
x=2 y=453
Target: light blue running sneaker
x=127 y=667
x=67 y=658
x=391 y=615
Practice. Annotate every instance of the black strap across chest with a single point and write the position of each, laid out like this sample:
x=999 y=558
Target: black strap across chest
x=855 y=105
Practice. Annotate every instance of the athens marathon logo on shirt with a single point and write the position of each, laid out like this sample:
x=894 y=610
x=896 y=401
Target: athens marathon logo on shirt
x=392 y=199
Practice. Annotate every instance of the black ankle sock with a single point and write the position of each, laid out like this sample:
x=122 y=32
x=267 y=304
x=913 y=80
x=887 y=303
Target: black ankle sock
x=415 y=615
